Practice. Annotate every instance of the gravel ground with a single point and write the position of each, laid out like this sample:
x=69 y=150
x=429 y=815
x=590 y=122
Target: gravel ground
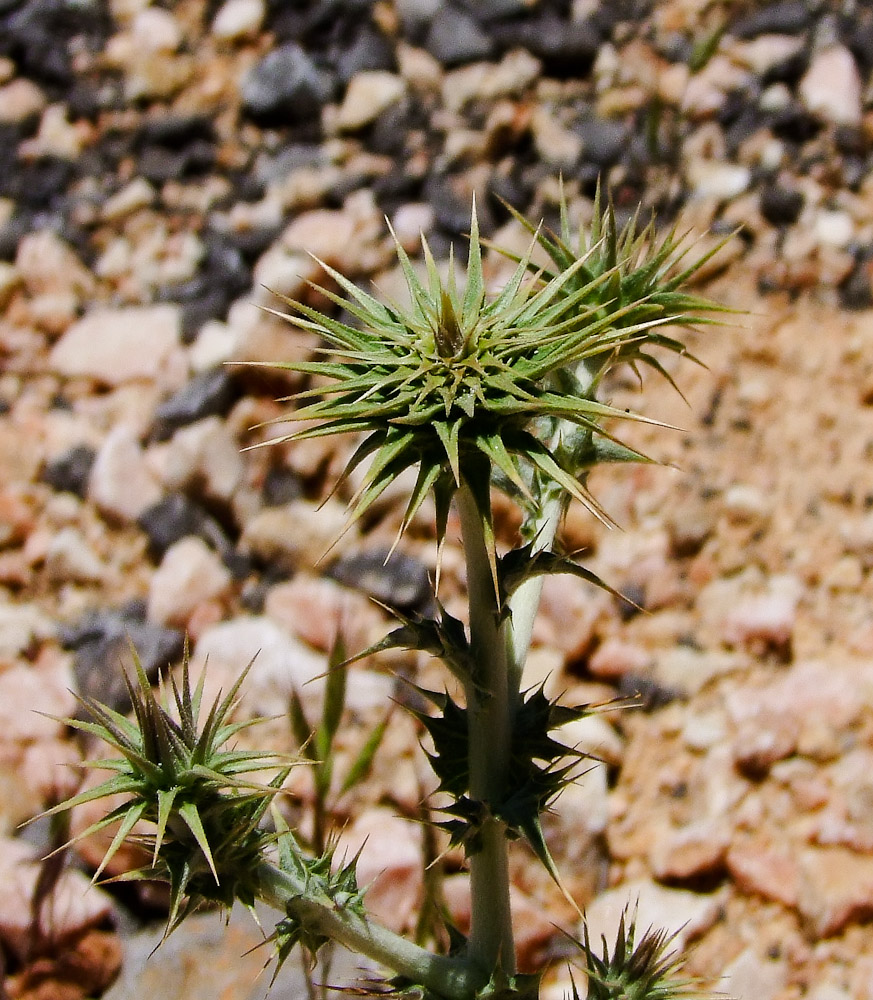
x=161 y=166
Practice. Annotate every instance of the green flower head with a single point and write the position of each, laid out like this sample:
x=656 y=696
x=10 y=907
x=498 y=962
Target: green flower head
x=466 y=384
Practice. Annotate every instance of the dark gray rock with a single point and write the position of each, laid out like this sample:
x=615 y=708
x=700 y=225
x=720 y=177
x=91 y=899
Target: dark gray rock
x=281 y=486
x=494 y=10
x=286 y=86
x=454 y=37
x=566 y=48
x=68 y=473
x=103 y=642
x=781 y=206
x=856 y=292
x=369 y=50
x=36 y=35
x=603 y=140
x=402 y=582
x=177 y=516
x=790 y=17
x=210 y=393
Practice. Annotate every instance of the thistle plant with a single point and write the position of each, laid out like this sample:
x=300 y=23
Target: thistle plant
x=475 y=390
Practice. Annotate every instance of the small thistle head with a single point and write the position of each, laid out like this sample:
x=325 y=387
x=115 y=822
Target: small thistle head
x=634 y=968
x=178 y=775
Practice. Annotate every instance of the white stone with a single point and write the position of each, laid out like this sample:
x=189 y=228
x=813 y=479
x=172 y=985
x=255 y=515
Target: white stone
x=216 y=343
x=751 y=976
x=204 y=453
x=831 y=87
x=410 y=221
x=135 y=195
x=69 y=557
x=516 y=71
x=156 y=30
x=776 y=97
x=834 y=228
x=238 y=19
x=120 y=482
x=766 y=618
x=555 y=144
x=281 y=272
x=189 y=574
x=766 y=51
x=20 y=626
x=57 y=136
x=721 y=181
x=584 y=804
x=48 y=265
x=677 y=911
x=297 y=535
x=280 y=664
x=744 y=503
x=592 y=735
x=20 y=100
x=369 y=94
x=113 y=346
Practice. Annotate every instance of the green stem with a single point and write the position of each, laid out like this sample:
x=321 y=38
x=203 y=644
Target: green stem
x=490 y=710
x=451 y=978
x=525 y=602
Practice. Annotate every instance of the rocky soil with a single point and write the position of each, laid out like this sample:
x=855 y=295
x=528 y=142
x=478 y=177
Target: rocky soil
x=163 y=165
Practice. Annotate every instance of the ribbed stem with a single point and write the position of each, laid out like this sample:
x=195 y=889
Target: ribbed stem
x=451 y=978
x=490 y=711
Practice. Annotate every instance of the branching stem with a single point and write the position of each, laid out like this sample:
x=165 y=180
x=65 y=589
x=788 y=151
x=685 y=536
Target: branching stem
x=451 y=978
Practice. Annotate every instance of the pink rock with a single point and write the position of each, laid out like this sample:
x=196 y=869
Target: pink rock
x=678 y=911
x=616 y=657
x=299 y=534
x=72 y=907
x=113 y=346
x=835 y=888
x=19 y=100
x=204 y=453
x=389 y=864
x=318 y=610
x=763 y=621
x=760 y=867
x=831 y=87
x=26 y=691
x=189 y=574
x=756 y=975
x=48 y=265
x=280 y=663
x=120 y=482
x=351 y=239
x=771 y=720
x=696 y=849
x=571 y=611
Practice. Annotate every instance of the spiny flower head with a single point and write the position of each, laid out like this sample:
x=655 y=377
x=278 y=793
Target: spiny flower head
x=180 y=776
x=459 y=385
x=635 y=968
